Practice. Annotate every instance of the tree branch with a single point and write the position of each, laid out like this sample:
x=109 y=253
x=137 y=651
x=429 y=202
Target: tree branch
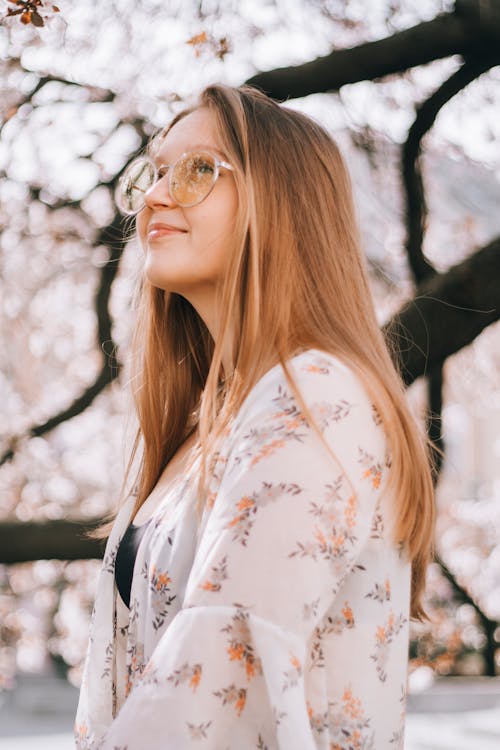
x=447 y=312
x=26 y=541
x=489 y=626
x=97 y=93
x=412 y=175
x=472 y=29
x=112 y=236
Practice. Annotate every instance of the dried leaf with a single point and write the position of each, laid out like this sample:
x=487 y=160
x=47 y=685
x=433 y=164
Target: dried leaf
x=198 y=38
x=223 y=48
x=36 y=19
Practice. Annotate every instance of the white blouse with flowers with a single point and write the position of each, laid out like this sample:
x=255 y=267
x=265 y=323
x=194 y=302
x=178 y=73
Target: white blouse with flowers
x=281 y=620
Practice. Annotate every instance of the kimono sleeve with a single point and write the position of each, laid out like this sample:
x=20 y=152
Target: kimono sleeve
x=287 y=525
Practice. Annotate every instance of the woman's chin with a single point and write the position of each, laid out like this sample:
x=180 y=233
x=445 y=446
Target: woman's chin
x=155 y=275
x=169 y=282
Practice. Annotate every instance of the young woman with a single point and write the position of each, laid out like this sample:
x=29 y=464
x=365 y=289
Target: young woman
x=256 y=589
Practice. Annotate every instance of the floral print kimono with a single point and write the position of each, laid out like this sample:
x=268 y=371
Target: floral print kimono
x=281 y=620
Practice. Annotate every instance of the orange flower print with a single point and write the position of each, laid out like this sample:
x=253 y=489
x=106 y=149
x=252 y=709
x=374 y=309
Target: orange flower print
x=162 y=598
x=209 y=586
x=248 y=507
x=210 y=502
x=319 y=365
x=313 y=368
x=83 y=735
x=159 y=580
x=331 y=625
x=333 y=537
x=320 y=537
x=376 y=474
x=234 y=696
x=240 y=703
x=195 y=679
x=381 y=592
x=337 y=542
x=309 y=709
x=292 y=675
x=163 y=580
x=187 y=673
x=267 y=450
x=348 y=615
x=384 y=635
x=219 y=574
x=240 y=646
x=246 y=503
x=236 y=520
x=318 y=721
x=381 y=636
x=250 y=668
x=349 y=727
x=352 y=705
x=373 y=469
x=134 y=664
x=325 y=412
x=350 y=511
x=236 y=652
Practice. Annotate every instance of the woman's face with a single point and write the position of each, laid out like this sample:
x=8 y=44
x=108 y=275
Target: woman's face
x=189 y=262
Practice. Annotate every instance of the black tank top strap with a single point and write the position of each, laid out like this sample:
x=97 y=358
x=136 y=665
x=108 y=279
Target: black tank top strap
x=125 y=559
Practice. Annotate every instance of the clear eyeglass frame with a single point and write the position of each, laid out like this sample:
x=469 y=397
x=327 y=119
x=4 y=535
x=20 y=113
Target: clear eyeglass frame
x=143 y=168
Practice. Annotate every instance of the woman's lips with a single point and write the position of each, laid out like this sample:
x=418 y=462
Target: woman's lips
x=154 y=234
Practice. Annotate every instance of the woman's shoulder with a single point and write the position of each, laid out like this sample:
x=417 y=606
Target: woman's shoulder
x=276 y=425
x=319 y=376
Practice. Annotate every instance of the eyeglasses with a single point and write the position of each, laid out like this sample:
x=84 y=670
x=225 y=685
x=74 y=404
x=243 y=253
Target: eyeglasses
x=190 y=179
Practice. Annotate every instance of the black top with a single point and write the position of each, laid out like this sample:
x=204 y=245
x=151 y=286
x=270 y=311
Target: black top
x=125 y=559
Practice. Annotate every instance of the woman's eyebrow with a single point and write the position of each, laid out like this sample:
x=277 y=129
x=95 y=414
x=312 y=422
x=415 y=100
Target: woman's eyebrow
x=206 y=146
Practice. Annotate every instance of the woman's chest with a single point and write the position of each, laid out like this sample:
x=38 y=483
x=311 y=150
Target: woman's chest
x=161 y=571
x=167 y=483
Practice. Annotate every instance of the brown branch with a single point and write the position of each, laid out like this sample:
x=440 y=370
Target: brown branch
x=55 y=540
x=113 y=237
x=472 y=29
x=96 y=93
x=447 y=312
x=411 y=169
x=489 y=626
x=105 y=376
x=416 y=212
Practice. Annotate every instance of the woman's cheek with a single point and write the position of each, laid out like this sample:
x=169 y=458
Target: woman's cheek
x=141 y=226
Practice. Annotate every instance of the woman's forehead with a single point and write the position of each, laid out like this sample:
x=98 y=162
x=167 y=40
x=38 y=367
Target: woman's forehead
x=193 y=131
x=196 y=127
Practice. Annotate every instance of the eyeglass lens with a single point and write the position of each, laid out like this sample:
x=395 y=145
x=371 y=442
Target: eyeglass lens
x=191 y=180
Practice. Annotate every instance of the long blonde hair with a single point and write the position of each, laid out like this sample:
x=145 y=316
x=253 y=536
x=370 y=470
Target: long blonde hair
x=296 y=280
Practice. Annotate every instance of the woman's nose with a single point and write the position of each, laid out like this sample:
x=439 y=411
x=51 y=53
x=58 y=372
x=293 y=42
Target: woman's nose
x=159 y=193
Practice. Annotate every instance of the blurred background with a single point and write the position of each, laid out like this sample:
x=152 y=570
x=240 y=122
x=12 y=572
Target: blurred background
x=410 y=89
